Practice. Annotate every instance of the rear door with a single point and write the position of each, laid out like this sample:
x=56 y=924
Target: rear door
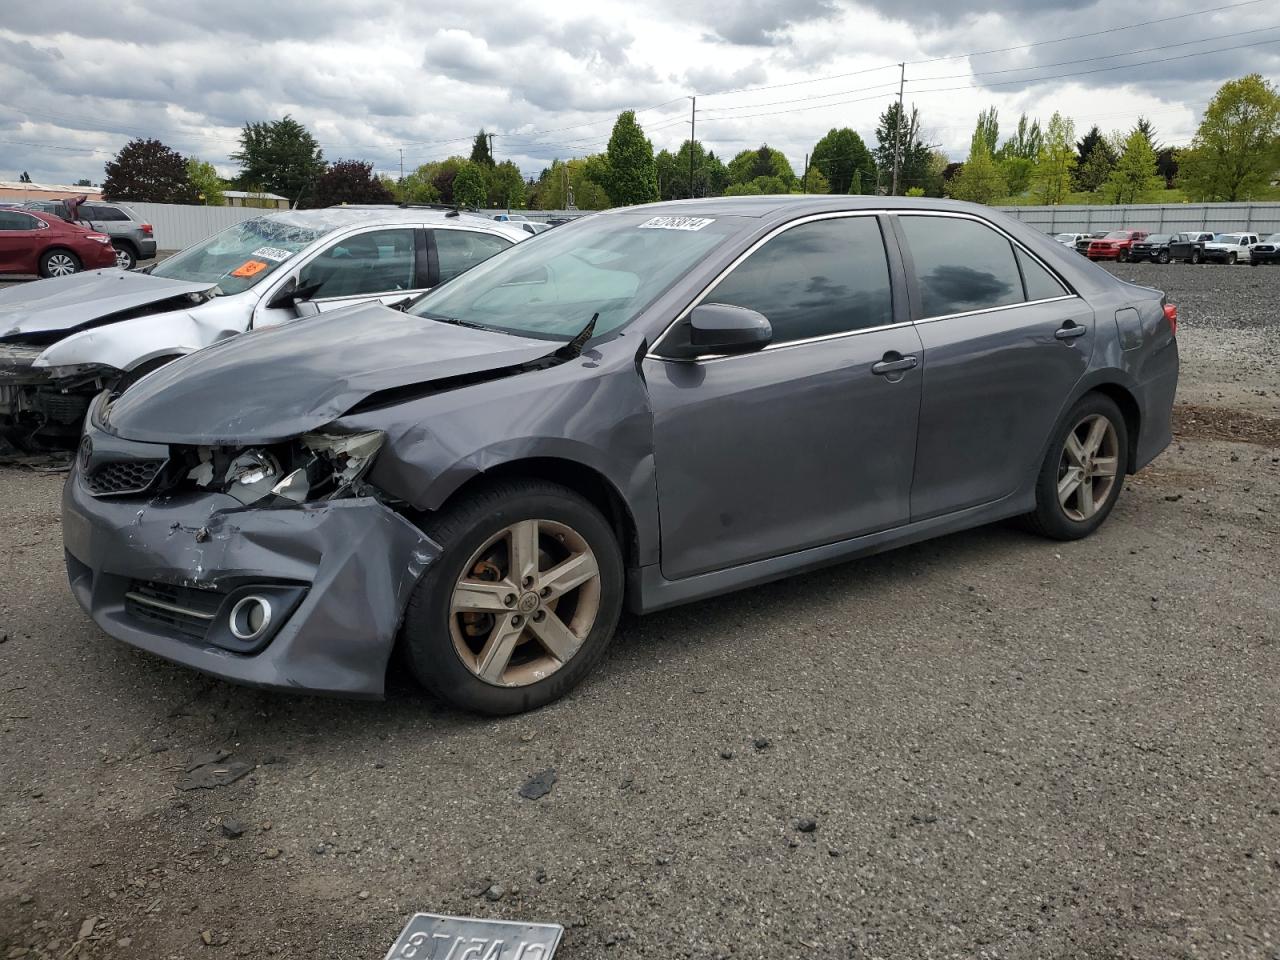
x=1005 y=342
x=809 y=441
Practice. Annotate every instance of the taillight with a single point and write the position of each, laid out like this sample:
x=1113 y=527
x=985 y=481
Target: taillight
x=146 y=228
x=1171 y=314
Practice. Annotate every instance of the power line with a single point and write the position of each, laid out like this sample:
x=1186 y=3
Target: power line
x=774 y=113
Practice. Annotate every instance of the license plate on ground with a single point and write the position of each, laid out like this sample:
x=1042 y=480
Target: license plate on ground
x=428 y=936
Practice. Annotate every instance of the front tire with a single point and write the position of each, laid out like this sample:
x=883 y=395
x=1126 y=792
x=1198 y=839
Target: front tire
x=59 y=263
x=521 y=604
x=1080 y=479
x=1231 y=259
x=1195 y=257
x=1163 y=257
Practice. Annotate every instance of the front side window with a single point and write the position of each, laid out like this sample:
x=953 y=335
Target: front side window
x=961 y=265
x=460 y=250
x=241 y=256
x=814 y=280
x=380 y=261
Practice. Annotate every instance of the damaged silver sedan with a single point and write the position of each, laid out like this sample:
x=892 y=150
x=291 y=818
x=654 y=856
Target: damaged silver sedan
x=645 y=407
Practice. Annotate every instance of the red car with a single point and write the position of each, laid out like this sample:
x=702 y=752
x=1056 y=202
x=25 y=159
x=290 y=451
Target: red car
x=1115 y=245
x=49 y=246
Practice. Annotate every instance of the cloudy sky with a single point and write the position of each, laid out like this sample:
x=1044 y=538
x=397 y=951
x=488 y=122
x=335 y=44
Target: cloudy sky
x=373 y=78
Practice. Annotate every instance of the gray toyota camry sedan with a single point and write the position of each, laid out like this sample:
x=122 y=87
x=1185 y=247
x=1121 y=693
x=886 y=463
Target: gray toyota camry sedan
x=644 y=407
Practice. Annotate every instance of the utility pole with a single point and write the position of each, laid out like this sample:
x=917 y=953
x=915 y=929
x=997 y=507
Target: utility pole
x=806 y=173
x=693 y=128
x=402 y=163
x=897 y=134
x=491 y=157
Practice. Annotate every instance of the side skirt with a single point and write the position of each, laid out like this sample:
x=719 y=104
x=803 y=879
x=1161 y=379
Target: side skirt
x=648 y=590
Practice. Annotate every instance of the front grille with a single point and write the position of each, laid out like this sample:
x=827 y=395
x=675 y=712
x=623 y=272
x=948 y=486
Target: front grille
x=64 y=408
x=123 y=476
x=185 y=610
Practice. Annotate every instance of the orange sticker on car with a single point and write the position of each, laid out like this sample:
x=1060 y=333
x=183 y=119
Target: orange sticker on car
x=249 y=268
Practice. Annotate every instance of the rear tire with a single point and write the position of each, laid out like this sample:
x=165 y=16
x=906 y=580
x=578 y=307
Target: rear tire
x=59 y=263
x=1231 y=259
x=1065 y=509
x=458 y=653
x=1195 y=257
x=126 y=259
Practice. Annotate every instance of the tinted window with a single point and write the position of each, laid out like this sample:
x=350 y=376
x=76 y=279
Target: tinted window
x=12 y=220
x=381 y=261
x=820 y=278
x=961 y=265
x=460 y=250
x=1040 y=283
x=96 y=212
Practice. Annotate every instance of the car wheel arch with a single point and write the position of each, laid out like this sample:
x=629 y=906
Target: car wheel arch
x=1107 y=383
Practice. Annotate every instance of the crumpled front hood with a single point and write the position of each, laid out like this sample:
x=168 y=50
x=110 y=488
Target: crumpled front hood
x=279 y=382
x=68 y=303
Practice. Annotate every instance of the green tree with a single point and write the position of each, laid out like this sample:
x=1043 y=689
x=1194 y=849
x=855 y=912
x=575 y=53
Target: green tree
x=566 y=184
x=470 y=187
x=757 y=187
x=1097 y=167
x=764 y=161
x=710 y=177
x=1236 y=150
x=347 y=181
x=839 y=156
x=149 y=172
x=980 y=179
x=1085 y=146
x=988 y=131
x=630 y=175
x=813 y=182
x=417 y=186
x=208 y=185
x=1134 y=178
x=25 y=178
x=915 y=160
x=480 y=152
x=1051 y=180
x=279 y=156
x=506 y=186
x=1026 y=141
x=83 y=182
x=1017 y=174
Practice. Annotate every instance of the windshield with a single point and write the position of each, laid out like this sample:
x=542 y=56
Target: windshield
x=1066 y=236
x=1117 y=235
x=1159 y=238
x=240 y=256
x=1274 y=238
x=1227 y=238
x=613 y=264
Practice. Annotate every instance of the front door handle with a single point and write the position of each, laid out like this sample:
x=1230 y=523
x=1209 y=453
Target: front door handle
x=1070 y=330
x=894 y=363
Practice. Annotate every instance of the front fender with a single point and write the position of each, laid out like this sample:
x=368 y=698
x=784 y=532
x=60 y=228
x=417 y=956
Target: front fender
x=128 y=343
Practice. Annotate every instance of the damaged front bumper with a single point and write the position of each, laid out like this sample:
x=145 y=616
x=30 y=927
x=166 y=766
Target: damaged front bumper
x=167 y=575
x=37 y=410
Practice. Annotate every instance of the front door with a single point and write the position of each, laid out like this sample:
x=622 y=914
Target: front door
x=807 y=442
x=1006 y=341
x=19 y=238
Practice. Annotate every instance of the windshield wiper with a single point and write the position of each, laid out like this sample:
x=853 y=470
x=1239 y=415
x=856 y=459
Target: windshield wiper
x=460 y=323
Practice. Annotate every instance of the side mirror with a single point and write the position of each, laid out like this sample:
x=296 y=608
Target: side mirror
x=723 y=328
x=291 y=293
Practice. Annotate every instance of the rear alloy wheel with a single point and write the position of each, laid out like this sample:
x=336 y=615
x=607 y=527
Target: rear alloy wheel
x=1231 y=259
x=522 y=603
x=1081 y=477
x=59 y=263
x=125 y=258
x=1195 y=256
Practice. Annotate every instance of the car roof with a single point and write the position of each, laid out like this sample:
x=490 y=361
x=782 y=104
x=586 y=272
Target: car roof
x=336 y=218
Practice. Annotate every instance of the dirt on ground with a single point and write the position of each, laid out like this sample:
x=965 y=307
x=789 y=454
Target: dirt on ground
x=987 y=745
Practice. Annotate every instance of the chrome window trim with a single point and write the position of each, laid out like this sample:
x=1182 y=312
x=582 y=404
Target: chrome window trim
x=652 y=352
x=1007 y=306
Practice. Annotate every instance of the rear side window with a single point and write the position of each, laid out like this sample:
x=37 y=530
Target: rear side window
x=96 y=212
x=1040 y=283
x=12 y=220
x=961 y=265
x=459 y=250
x=814 y=280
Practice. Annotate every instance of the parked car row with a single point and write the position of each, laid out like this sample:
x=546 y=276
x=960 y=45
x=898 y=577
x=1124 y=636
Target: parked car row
x=485 y=471
x=1186 y=247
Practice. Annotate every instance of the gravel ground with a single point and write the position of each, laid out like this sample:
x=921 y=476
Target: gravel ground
x=988 y=745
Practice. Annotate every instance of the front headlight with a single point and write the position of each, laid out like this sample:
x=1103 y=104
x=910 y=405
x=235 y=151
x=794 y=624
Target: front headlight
x=316 y=466
x=335 y=464
x=81 y=371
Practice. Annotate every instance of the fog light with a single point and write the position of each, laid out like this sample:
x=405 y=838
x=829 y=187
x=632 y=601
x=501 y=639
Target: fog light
x=250 y=617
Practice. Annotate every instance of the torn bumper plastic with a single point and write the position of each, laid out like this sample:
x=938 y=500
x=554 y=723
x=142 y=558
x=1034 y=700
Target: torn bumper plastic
x=166 y=575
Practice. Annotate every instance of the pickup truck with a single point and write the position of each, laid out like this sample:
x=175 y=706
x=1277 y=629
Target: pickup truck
x=1114 y=245
x=1188 y=246
x=1154 y=248
x=1230 y=247
x=1268 y=251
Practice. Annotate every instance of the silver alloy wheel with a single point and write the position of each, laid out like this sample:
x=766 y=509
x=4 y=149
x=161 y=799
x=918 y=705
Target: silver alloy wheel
x=525 y=603
x=1087 y=470
x=124 y=259
x=61 y=265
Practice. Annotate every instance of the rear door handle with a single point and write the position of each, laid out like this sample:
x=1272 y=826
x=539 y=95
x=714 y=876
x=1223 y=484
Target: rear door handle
x=1070 y=330
x=897 y=365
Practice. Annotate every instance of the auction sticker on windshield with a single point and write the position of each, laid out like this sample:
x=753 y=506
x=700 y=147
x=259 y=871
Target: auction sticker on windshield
x=676 y=223
x=249 y=268
x=272 y=253
x=428 y=936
